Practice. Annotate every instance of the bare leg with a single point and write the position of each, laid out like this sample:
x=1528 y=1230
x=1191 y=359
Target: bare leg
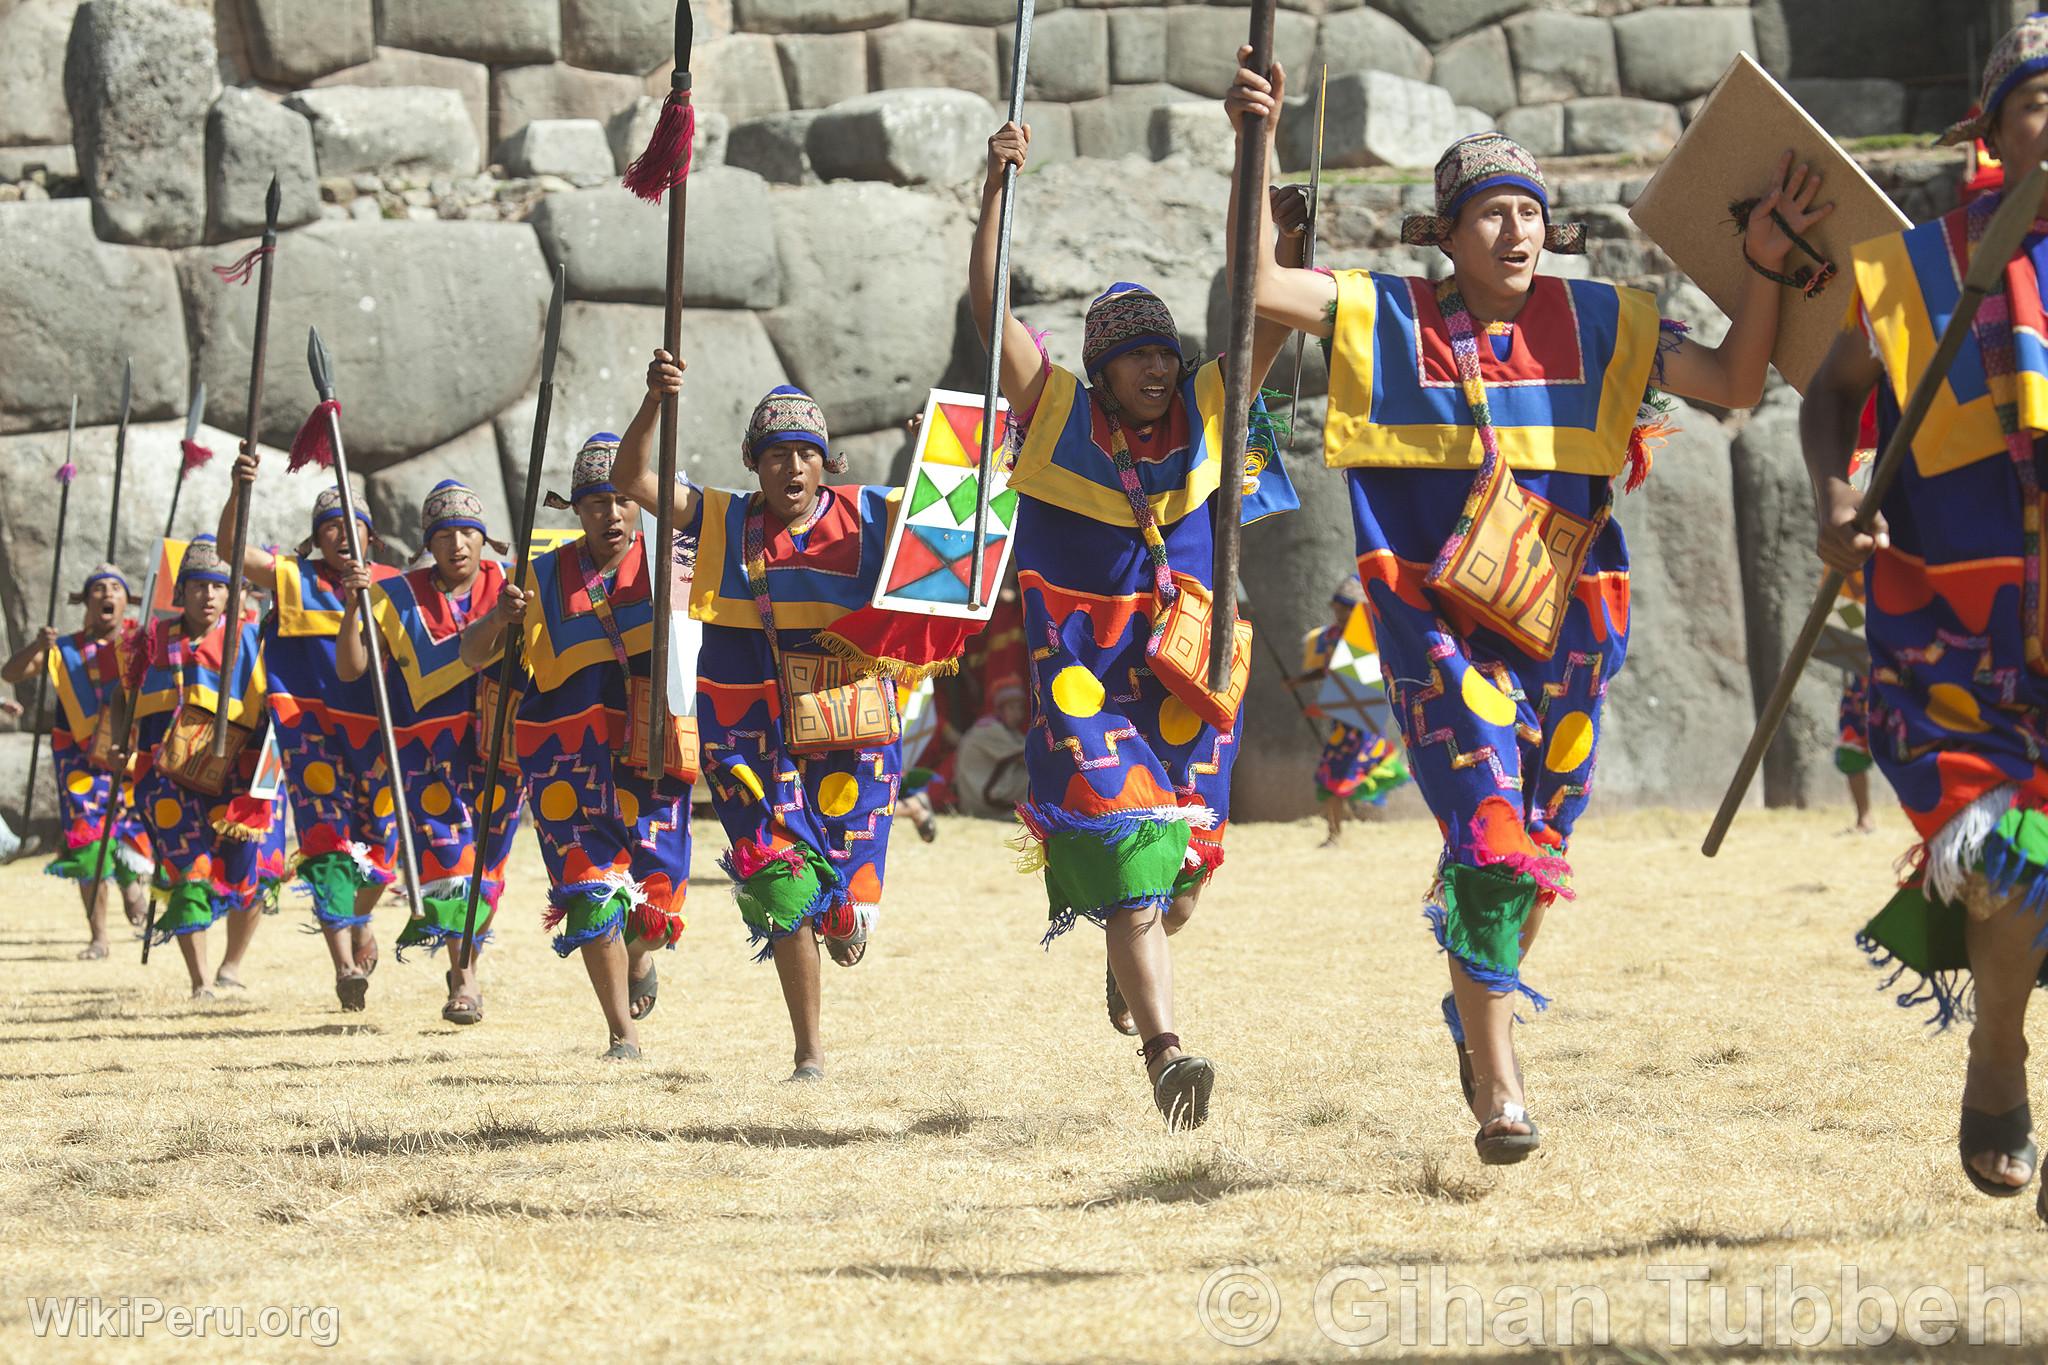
x=1859 y=793
x=135 y=904
x=1333 y=819
x=241 y=929
x=1143 y=964
x=2005 y=964
x=341 y=948
x=796 y=965
x=466 y=983
x=365 y=934
x=95 y=917
x=1489 y=1023
x=1183 y=908
x=193 y=946
x=607 y=963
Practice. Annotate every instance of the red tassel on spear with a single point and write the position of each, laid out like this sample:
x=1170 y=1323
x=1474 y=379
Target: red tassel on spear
x=666 y=161
x=315 y=442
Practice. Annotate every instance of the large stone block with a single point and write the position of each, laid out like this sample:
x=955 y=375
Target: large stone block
x=1137 y=45
x=33 y=35
x=614 y=245
x=1371 y=119
x=1539 y=127
x=1441 y=20
x=71 y=309
x=1197 y=131
x=1367 y=40
x=433 y=328
x=1476 y=70
x=1077 y=240
x=394 y=495
x=990 y=13
x=1202 y=43
x=632 y=128
x=1851 y=107
x=774 y=147
x=821 y=69
x=906 y=137
x=1610 y=126
x=1069 y=56
x=139 y=76
x=1121 y=124
x=1774 y=526
x=740 y=77
x=42 y=832
x=629 y=36
x=600 y=378
x=249 y=139
x=1558 y=56
x=1675 y=54
x=1677 y=710
x=290 y=42
x=817 y=16
x=921 y=55
x=572 y=148
x=1906 y=40
x=416 y=128
x=504 y=31
x=873 y=275
x=395 y=66
x=53 y=163
x=1052 y=132
x=521 y=94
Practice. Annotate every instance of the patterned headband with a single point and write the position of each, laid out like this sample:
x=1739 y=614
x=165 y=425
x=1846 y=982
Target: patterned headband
x=202 y=561
x=452 y=503
x=1473 y=165
x=327 y=507
x=787 y=413
x=2020 y=54
x=592 y=471
x=101 y=573
x=1123 y=318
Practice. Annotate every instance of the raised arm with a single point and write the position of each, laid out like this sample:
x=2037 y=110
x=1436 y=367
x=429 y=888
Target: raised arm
x=1023 y=377
x=1292 y=298
x=257 y=565
x=634 y=473
x=29 y=657
x=1268 y=335
x=1827 y=438
x=1731 y=375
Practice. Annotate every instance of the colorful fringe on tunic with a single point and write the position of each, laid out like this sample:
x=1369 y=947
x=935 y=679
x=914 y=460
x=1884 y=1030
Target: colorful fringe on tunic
x=216 y=855
x=1958 y=696
x=1129 y=788
x=327 y=736
x=82 y=673
x=1502 y=745
x=441 y=749
x=810 y=832
x=616 y=844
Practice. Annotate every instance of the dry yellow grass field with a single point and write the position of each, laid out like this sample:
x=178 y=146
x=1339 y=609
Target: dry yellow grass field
x=982 y=1176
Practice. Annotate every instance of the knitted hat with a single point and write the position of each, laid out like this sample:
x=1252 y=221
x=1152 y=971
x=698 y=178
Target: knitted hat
x=99 y=573
x=2020 y=54
x=1349 y=593
x=201 y=561
x=787 y=413
x=327 y=507
x=1121 y=319
x=592 y=471
x=1471 y=166
x=452 y=503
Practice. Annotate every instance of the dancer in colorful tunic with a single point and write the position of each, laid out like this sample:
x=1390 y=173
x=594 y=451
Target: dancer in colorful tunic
x=1852 y=747
x=616 y=843
x=776 y=574
x=1358 y=766
x=220 y=851
x=327 y=734
x=1952 y=589
x=1129 y=781
x=1500 y=702
x=84 y=668
x=422 y=615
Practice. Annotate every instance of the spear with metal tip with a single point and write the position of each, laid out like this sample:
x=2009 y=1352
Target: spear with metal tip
x=508 y=666
x=120 y=460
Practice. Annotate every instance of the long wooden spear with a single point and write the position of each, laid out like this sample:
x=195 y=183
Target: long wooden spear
x=66 y=472
x=265 y=255
x=508 y=666
x=120 y=460
x=1020 y=62
x=321 y=364
x=1237 y=367
x=664 y=167
x=2001 y=241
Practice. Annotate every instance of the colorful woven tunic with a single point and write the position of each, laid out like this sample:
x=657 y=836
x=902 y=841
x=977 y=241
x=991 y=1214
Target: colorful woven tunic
x=1130 y=788
x=1357 y=763
x=440 y=745
x=83 y=671
x=616 y=845
x=216 y=855
x=1958 y=696
x=327 y=736
x=810 y=832
x=1501 y=744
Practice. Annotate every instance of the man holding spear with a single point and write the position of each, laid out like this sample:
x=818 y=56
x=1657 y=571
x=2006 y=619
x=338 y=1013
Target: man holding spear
x=1952 y=576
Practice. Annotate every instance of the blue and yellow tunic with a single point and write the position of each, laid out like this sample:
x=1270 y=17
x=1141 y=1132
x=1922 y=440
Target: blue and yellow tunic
x=83 y=673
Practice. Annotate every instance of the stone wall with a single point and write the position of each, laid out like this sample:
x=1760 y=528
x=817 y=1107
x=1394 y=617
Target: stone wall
x=439 y=157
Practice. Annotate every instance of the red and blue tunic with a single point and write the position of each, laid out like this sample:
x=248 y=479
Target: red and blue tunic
x=83 y=672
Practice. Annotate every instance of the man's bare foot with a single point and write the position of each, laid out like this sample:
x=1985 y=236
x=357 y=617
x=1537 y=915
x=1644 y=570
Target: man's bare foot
x=807 y=1069
x=92 y=952
x=228 y=980
x=200 y=992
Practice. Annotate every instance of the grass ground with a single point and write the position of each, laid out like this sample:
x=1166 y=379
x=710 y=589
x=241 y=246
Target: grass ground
x=982 y=1176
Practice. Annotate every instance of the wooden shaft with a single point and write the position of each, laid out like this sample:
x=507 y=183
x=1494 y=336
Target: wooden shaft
x=661 y=554
x=35 y=748
x=253 y=432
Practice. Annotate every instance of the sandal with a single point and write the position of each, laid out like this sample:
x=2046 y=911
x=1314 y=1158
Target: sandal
x=227 y=982
x=1113 y=997
x=848 y=952
x=621 y=1051
x=805 y=1074
x=645 y=989
x=1457 y=1028
x=92 y=952
x=463 y=1010
x=1182 y=1092
x=1505 y=1149
x=2010 y=1134
x=352 y=989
